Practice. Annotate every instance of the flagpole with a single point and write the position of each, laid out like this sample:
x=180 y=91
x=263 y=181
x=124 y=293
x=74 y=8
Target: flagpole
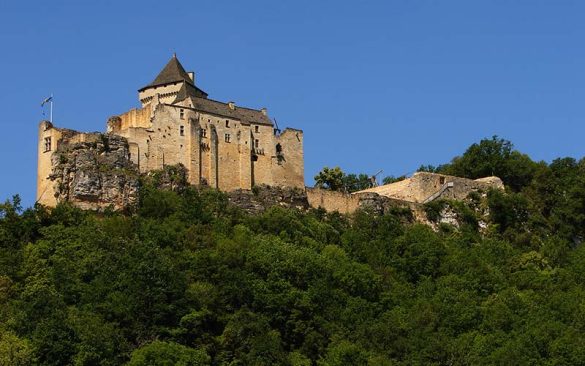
x=51 y=113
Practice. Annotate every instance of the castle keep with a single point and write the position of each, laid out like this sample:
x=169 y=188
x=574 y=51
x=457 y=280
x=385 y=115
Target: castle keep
x=222 y=145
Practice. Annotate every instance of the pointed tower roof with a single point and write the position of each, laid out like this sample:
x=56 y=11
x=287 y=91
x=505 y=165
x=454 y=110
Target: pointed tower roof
x=172 y=72
x=187 y=91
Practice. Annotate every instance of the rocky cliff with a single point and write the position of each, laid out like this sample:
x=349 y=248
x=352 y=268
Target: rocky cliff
x=263 y=197
x=95 y=172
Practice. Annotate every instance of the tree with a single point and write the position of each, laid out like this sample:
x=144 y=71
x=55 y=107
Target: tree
x=330 y=179
x=493 y=156
x=345 y=353
x=189 y=279
x=159 y=353
x=15 y=351
x=392 y=179
x=356 y=182
x=336 y=180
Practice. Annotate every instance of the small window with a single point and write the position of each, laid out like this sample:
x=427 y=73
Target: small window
x=228 y=138
x=182 y=114
x=47 y=144
x=256 y=129
x=203 y=132
x=182 y=130
x=278 y=149
x=442 y=180
x=227 y=123
x=256 y=143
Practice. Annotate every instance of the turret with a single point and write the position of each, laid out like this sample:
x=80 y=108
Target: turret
x=170 y=81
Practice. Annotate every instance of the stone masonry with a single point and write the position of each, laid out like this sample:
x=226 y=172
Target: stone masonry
x=222 y=145
x=410 y=193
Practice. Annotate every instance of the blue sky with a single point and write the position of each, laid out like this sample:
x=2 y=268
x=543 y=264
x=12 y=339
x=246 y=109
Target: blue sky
x=375 y=85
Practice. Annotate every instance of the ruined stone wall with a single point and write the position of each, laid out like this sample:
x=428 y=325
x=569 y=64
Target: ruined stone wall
x=132 y=119
x=462 y=186
x=332 y=201
x=422 y=186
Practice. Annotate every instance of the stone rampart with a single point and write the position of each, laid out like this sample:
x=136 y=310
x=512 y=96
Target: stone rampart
x=332 y=201
x=424 y=187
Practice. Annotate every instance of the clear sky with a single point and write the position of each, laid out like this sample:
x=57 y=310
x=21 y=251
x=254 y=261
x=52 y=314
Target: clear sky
x=375 y=84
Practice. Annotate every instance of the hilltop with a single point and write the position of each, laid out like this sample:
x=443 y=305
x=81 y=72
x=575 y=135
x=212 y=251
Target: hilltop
x=190 y=278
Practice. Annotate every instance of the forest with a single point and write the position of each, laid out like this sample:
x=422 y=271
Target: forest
x=189 y=279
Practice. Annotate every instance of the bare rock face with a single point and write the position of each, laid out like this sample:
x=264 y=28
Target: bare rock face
x=263 y=197
x=95 y=173
x=171 y=178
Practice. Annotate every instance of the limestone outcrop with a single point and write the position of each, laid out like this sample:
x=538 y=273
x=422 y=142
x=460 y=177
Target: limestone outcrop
x=263 y=197
x=94 y=171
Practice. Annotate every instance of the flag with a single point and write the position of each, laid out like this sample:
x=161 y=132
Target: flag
x=47 y=100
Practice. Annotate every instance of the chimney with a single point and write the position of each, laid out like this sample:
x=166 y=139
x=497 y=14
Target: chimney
x=191 y=76
x=232 y=105
x=264 y=111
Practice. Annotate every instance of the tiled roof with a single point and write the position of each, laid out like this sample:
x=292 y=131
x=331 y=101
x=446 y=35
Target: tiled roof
x=172 y=72
x=188 y=90
x=246 y=115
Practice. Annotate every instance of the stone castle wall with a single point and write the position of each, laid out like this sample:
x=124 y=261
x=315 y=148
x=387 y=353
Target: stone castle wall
x=410 y=193
x=221 y=145
x=221 y=152
x=332 y=201
x=218 y=152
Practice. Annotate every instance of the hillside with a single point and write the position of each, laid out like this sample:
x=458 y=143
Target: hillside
x=189 y=279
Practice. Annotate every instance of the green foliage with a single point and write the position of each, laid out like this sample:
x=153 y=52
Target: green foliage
x=433 y=209
x=509 y=211
x=330 y=178
x=356 y=182
x=430 y=168
x=171 y=177
x=159 y=353
x=15 y=351
x=336 y=180
x=490 y=157
x=392 y=179
x=189 y=279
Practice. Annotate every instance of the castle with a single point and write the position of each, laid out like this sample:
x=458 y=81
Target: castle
x=219 y=145
x=222 y=145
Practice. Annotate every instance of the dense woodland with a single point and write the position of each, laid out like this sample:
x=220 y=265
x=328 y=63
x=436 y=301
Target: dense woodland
x=188 y=279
